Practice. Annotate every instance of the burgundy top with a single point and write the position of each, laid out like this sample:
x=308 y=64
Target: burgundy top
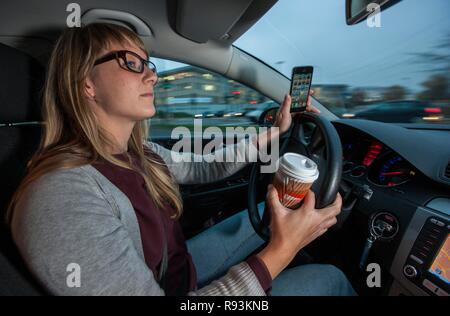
x=180 y=275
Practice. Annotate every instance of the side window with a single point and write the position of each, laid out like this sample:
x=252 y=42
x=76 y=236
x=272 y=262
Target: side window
x=186 y=92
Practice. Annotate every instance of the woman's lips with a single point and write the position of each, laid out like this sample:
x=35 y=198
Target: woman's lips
x=147 y=95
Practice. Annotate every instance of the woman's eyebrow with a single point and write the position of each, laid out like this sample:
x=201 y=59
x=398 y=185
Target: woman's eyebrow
x=146 y=55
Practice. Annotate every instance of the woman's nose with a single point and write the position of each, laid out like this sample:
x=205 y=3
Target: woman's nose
x=150 y=75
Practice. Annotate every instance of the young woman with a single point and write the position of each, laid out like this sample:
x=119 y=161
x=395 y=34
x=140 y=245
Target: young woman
x=100 y=200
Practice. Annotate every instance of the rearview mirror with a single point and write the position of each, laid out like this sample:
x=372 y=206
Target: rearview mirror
x=359 y=10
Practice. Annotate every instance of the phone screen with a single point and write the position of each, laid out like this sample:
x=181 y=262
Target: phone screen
x=300 y=86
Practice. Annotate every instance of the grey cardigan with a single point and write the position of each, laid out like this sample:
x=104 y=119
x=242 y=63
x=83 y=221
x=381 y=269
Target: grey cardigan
x=78 y=216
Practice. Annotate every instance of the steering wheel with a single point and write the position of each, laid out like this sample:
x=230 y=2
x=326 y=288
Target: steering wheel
x=321 y=144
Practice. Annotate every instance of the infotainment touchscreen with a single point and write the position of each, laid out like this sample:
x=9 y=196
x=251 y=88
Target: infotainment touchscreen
x=441 y=264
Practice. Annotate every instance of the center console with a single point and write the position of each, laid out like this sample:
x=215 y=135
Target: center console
x=422 y=264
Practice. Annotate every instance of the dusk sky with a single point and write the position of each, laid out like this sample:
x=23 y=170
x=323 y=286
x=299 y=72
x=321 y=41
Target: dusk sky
x=312 y=32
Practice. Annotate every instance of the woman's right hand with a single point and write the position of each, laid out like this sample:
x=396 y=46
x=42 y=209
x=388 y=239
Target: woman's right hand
x=292 y=230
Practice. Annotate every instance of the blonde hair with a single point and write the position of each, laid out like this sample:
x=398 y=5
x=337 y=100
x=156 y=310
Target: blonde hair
x=71 y=136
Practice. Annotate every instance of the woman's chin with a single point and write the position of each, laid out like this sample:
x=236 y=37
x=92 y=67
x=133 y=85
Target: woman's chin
x=150 y=111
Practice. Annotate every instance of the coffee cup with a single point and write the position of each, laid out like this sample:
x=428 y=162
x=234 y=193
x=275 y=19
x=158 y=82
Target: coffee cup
x=295 y=176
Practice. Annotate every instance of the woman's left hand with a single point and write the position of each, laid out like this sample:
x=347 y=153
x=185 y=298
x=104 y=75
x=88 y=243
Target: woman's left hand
x=284 y=117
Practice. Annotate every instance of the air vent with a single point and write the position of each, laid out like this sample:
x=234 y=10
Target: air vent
x=447 y=171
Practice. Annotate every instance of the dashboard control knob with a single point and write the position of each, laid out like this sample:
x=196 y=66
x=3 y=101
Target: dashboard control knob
x=410 y=271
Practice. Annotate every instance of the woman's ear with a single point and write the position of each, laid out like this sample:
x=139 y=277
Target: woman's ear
x=89 y=89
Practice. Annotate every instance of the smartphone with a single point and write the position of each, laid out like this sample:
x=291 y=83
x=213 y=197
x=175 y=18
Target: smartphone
x=300 y=86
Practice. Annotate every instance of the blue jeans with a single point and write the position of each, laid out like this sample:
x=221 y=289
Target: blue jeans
x=230 y=242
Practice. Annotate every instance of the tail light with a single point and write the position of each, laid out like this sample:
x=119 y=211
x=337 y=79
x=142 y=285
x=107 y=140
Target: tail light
x=433 y=110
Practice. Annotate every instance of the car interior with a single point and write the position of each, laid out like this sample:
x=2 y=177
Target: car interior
x=394 y=178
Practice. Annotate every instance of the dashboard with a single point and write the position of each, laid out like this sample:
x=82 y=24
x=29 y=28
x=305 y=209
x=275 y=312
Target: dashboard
x=381 y=166
x=396 y=159
x=405 y=171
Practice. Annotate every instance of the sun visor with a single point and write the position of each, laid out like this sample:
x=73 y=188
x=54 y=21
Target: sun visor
x=220 y=20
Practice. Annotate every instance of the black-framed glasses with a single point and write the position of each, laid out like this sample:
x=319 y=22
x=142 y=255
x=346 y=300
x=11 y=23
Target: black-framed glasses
x=128 y=60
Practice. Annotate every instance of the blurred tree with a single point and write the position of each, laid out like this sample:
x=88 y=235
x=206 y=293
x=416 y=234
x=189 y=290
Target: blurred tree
x=436 y=88
x=394 y=93
x=438 y=62
x=438 y=59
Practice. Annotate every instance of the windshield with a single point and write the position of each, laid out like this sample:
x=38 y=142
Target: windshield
x=395 y=67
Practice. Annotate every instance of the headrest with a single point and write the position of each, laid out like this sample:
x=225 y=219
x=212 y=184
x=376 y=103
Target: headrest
x=21 y=83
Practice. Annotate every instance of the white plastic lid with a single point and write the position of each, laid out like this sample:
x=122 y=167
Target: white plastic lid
x=299 y=167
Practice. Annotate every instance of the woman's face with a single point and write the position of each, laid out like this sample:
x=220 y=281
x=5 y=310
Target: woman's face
x=121 y=94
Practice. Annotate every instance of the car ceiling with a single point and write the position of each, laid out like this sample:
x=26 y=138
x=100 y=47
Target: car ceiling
x=42 y=21
x=34 y=28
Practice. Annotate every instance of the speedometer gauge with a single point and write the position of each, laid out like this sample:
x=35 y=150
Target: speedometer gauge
x=391 y=170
